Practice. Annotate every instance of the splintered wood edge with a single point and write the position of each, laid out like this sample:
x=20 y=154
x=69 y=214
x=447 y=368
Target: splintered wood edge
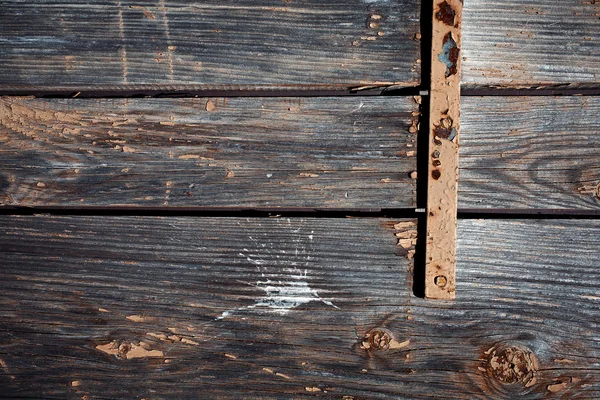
x=440 y=268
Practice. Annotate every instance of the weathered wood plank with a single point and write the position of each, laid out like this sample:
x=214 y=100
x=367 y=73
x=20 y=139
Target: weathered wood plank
x=529 y=43
x=444 y=126
x=530 y=153
x=225 y=152
x=224 y=308
x=195 y=45
x=229 y=308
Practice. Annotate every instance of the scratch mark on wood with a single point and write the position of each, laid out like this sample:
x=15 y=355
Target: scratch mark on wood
x=123 y=50
x=170 y=48
x=5 y=367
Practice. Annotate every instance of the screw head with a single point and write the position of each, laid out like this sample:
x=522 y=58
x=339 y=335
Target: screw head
x=440 y=281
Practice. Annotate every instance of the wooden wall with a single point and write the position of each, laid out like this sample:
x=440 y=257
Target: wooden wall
x=254 y=229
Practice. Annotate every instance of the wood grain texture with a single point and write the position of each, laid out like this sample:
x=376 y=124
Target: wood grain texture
x=172 y=45
x=530 y=153
x=226 y=152
x=224 y=308
x=174 y=308
x=523 y=43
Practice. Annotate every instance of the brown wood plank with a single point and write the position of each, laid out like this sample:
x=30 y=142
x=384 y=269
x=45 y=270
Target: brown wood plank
x=531 y=43
x=218 y=152
x=168 y=45
x=444 y=126
x=182 y=308
x=530 y=153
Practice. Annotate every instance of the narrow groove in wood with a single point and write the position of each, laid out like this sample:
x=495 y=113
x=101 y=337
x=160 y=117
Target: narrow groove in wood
x=191 y=92
x=215 y=212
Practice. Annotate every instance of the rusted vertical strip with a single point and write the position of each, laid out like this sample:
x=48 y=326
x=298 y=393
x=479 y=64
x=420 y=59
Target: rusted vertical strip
x=443 y=150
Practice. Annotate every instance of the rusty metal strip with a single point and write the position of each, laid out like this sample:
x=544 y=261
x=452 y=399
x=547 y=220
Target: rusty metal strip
x=440 y=269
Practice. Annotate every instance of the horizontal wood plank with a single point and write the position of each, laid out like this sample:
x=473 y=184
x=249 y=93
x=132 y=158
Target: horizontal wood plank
x=168 y=45
x=218 y=152
x=525 y=43
x=530 y=153
x=270 y=308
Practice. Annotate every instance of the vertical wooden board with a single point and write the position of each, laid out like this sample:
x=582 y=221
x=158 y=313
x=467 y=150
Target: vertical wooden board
x=530 y=43
x=326 y=152
x=530 y=153
x=444 y=126
x=170 y=45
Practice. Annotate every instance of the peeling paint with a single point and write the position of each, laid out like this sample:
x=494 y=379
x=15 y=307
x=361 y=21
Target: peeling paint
x=449 y=55
x=284 y=276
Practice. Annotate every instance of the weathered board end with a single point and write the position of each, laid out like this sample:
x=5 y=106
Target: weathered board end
x=440 y=269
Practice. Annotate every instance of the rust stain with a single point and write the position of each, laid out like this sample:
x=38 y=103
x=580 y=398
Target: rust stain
x=445 y=129
x=446 y=13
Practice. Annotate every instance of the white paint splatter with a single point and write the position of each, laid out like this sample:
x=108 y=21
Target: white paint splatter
x=285 y=285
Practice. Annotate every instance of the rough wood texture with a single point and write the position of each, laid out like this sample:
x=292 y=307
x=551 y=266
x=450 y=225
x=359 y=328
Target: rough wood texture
x=444 y=113
x=196 y=307
x=530 y=153
x=522 y=43
x=234 y=152
x=171 y=45
x=174 y=308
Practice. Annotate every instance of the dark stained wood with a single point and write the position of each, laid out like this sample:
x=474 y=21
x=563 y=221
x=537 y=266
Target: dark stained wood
x=167 y=45
x=521 y=43
x=175 y=308
x=530 y=153
x=237 y=308
x=218 y=152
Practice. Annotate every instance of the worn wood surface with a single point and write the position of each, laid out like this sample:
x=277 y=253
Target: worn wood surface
x=530 y=153
x=218 y=152
x=444 y=125
x=523 y=43
x=166 y=45
x=110 y=307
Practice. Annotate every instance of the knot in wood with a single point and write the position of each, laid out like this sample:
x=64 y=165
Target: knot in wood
x=512 y=364
x=377 y=339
